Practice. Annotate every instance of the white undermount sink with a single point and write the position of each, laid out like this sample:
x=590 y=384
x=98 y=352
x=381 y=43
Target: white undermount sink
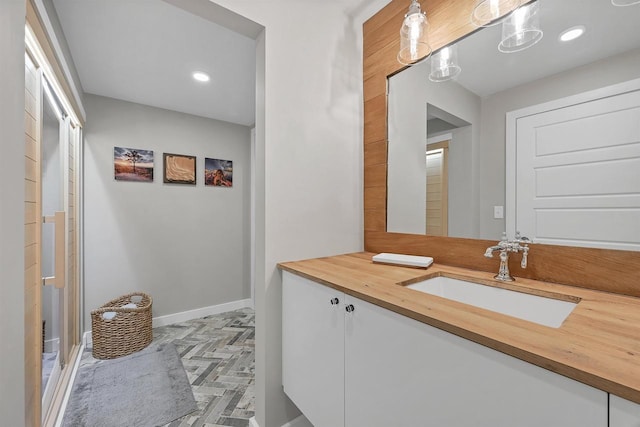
x=538 y=309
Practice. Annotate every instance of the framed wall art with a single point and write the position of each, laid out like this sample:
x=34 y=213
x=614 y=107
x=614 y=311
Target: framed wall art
x=179 y=169
x=132 y=164
x=218 y=173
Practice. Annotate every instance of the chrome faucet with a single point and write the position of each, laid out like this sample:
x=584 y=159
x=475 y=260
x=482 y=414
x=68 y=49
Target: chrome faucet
x=505 y=246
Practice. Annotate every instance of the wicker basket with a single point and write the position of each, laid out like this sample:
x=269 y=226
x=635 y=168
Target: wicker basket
x=129 y=331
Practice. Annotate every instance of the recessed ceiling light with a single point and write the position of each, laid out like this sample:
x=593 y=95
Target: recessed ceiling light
x=572 y=33
x=201 y=77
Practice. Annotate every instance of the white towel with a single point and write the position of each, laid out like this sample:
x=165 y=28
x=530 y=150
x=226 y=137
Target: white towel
x=401 y=259
x=108 y=315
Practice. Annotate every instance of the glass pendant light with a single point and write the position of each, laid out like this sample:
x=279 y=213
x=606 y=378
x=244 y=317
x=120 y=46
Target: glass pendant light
x=487 y=13
x=444 y=64
x=521 y=29
x=414 y=40
x=624 y=2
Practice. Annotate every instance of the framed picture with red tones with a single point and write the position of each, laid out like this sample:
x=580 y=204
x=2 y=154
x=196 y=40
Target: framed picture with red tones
x=218 y=173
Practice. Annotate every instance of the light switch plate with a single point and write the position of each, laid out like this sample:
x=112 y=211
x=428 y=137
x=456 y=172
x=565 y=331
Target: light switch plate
x=498 y=212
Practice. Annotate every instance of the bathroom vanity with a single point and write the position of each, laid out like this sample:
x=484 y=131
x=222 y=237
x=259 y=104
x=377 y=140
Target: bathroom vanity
x=360 y=348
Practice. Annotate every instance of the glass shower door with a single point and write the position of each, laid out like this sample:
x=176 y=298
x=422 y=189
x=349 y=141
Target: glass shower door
x=53 y=164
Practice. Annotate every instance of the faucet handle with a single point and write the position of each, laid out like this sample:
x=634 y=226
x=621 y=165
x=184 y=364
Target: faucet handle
x=525 y=253
x=522 y=239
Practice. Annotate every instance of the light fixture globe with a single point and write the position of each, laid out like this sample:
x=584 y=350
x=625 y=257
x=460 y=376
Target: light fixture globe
x=414 y=38
x=488 y=13
x=444 y=64
x=521 y=29
x=623 y=3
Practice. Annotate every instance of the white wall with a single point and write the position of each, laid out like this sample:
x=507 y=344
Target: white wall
x=312 y=157
x=186 y=246
x=50 y=19
x=409 y=93
x=12 y=375
x=461 y=214
x=406 y=163
x=602 y=73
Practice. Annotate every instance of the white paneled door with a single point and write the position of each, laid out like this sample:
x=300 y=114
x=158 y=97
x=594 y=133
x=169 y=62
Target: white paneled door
x=578 y=173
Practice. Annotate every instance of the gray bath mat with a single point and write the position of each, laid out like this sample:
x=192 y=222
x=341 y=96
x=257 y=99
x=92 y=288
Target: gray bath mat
x=145 y=389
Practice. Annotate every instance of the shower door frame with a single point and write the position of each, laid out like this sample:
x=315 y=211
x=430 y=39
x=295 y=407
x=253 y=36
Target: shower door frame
x=40 y=53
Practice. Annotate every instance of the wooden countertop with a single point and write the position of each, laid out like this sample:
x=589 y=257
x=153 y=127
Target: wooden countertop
x=598 y=344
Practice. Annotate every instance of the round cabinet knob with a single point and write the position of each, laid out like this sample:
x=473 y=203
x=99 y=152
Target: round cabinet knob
x=335 y=301
x=350 y=308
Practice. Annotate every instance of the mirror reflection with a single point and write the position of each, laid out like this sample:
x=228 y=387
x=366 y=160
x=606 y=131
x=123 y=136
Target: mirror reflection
x=447 y=151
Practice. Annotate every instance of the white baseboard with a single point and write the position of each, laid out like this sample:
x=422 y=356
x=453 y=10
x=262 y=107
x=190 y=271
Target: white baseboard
x=198 y=313
x=301 y=421
x=87 y=339
x=184 y=316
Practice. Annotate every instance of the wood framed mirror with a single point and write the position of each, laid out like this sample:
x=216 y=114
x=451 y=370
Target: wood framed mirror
x=611 y=270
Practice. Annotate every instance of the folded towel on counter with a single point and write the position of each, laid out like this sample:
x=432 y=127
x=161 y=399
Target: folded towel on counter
x=404 y=260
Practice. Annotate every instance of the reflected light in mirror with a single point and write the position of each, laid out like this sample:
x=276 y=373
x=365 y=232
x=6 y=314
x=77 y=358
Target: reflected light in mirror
x=521 y=29
x=487 y=13
x=444 y=64
x=624 y=2
x=201 y=77
x=572 y=33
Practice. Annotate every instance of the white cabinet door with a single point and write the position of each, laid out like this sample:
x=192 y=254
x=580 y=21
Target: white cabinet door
x=403 y=373
x=386 y=379
x=623 y=413
x=313 y=349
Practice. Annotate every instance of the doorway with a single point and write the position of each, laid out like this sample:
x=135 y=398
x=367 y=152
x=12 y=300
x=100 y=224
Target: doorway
x=437 y=157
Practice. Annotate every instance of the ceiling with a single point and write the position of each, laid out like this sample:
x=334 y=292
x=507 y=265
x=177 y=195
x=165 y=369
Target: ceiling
x=610 y=30
x=145 y=51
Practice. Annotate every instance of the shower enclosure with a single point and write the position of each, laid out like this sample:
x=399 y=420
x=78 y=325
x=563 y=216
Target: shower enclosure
x=52 y=288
